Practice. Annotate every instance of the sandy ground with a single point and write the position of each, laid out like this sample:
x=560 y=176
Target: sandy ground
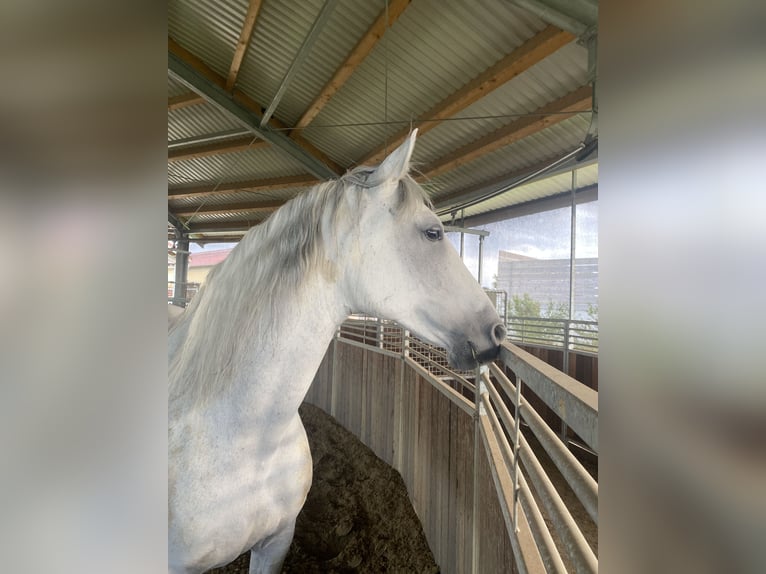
x=357 y=517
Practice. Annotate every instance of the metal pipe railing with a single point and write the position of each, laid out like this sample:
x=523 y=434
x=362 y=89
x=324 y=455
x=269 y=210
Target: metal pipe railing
x=577 y=477
x=571 y=334
x=569 y=532
x=573 y=402
x=546 y=546
x=527 y=495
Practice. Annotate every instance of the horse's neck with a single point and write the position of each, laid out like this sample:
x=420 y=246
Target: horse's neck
x=282 y=363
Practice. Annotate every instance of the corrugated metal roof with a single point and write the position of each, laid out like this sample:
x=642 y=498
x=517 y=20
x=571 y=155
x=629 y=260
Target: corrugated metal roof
x=198 y=120
x=176 y=88
x=432 y=50
x=549 y=144
x=259 y=163
x=208 y=28
x=264 y=66
x=413 y=69
x=537 y=190
x=254 y=197
x=539 y=85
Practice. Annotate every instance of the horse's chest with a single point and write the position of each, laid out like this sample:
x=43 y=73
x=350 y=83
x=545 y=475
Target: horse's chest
x=230 y=491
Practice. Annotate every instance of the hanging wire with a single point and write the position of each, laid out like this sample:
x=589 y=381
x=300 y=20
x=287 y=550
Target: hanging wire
x=385 y=78
x=216 y=186
x=517 y=183
x=410 y=121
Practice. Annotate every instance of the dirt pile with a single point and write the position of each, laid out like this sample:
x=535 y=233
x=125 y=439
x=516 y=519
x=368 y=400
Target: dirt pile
x=357 y=517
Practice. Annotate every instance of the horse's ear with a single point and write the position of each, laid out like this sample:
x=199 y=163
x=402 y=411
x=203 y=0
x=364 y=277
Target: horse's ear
x=397 y=164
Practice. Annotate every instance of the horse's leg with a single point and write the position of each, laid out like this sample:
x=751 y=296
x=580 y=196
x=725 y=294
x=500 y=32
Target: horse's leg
x=267 y=556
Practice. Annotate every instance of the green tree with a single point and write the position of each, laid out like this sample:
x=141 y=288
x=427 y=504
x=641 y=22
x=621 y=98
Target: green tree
x=557 y=311
x=523 y=306
x=525 y=327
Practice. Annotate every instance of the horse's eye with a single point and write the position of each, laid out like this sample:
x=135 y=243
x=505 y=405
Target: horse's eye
x=434 y=234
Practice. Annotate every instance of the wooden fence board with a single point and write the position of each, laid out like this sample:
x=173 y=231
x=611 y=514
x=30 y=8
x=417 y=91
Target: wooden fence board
x=403 y=417
x=495 y=551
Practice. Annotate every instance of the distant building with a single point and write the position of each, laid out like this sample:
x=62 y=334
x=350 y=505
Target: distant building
x=200 y=264
x=547 y=280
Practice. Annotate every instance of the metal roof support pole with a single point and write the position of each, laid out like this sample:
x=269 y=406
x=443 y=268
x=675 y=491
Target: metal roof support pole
x=572 y=260
x=182 y=271
x=553 y=16
x=300 y=58
x=584 y=11
x=481 y=256
x=590 y=41
x=208 y=138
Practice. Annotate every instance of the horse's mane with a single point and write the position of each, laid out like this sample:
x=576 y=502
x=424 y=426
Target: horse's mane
x=241 y=296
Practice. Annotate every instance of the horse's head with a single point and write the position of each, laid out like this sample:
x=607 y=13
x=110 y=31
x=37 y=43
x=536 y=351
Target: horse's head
x=403 y=268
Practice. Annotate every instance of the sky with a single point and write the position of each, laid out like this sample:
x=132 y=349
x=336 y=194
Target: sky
x=544 y=235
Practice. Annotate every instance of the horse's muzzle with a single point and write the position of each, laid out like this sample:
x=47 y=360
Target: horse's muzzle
x=470 y=355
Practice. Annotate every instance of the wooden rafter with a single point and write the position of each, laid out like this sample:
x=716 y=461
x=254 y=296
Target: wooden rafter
x=522 y=58
x=190 y=99
x=229 y=208
x=354 y=59
x=552 y=113
x=216 y=148
x=253 y=185
x=243 y=42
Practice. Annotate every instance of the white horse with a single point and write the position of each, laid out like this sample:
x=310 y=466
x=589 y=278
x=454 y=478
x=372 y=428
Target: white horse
x=243 y=355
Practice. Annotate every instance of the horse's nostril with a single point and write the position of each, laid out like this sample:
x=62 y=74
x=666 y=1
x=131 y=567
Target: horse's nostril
x=498 y=334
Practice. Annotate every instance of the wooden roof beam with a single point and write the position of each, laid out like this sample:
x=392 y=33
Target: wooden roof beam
x=212 y=227
x=243 y=43
x=519 y=60
x=358 y=54
x=218 y=238
x=216 y=148
x=190 y=99
x=228 y=208
x=574 y=102
x=253 y=185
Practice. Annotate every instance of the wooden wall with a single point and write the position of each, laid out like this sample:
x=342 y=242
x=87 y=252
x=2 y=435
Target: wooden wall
x=397 y=412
